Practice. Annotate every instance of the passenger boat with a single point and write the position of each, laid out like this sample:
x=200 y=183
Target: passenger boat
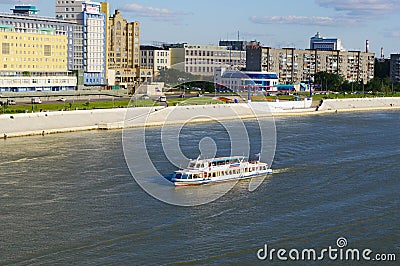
x=205 y=171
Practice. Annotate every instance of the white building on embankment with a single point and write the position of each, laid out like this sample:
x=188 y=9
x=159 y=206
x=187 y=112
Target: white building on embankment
x=243 y=80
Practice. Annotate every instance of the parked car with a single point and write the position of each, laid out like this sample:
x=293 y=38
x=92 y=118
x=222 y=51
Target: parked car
x=62 y=99
x=36 y=101
x=162 y=99
x=1 y=103
x=11 y=102
x=145 y=97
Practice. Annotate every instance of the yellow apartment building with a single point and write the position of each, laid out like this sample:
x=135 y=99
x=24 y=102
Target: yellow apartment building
x=33 y=52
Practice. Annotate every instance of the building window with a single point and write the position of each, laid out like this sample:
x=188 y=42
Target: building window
x=5 y=48
x=47 y=50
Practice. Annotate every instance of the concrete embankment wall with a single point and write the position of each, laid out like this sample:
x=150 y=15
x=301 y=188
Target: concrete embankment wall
x=360 y=104
x=289 y=105
x=56 y=122
x=192 y=114
x=69 y=121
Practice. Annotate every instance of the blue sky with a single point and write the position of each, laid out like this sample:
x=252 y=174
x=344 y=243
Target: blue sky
x=285 y=23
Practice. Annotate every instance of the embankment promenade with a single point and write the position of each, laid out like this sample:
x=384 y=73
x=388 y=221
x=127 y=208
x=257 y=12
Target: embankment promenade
x=29 y=124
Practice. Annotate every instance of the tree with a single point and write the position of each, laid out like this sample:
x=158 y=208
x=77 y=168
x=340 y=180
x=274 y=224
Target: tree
x=382 y=68
x=174 y=77
x=382 y=85
x=329 y=81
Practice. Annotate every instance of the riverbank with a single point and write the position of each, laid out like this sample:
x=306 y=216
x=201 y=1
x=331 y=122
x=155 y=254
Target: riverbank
x=70 y=121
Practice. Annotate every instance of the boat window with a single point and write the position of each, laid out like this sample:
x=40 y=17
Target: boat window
x=191 y=164
x=184 y=176
x=178 y=176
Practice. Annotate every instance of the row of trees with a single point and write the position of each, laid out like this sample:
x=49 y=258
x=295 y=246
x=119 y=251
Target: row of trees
x=334 y=82
x=322 y=81
x=182 y=80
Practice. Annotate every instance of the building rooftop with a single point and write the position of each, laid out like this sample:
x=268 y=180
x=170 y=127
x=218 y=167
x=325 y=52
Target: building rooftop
x=25 y=10
x=151 y=47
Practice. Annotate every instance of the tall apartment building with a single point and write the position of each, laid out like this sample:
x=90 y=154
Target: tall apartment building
x=34 y=52
x=91 y=42
x=325 y=44
x=203 y=59
x=395 y=67
x=123 y=50
x=123 y=42
x=154 y=57
x=295 y=66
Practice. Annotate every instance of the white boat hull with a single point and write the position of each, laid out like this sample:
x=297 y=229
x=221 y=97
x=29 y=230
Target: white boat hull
x=204 y=181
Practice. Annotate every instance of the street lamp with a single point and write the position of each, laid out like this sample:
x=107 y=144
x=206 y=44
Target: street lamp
x=362 y=81
x=310 y=83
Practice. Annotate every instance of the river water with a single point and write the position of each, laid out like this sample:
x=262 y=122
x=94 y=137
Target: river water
x=70 y=198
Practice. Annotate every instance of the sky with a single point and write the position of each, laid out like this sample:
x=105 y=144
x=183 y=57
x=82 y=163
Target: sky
x=278 y=24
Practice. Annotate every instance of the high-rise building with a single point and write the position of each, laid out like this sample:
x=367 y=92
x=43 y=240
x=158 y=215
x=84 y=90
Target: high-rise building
x=123 y=48
x=123 y=42
x=295 y=66
x=325 y=44
x=34 y=52
x=89 y=15
x=395 y=67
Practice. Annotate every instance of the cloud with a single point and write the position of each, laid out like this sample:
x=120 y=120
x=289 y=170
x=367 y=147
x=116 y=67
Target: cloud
x=157 y=13
x=362 y=8
x=350 y=13
x=392 y=34
x=303 y=20
x=17 y=2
